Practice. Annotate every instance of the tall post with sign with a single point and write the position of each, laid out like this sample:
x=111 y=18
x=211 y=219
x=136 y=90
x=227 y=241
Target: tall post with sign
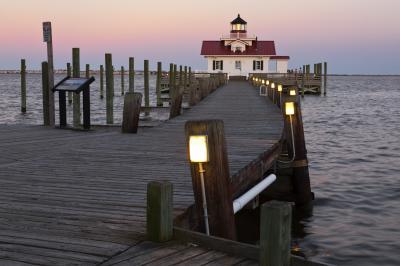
x=47 y=38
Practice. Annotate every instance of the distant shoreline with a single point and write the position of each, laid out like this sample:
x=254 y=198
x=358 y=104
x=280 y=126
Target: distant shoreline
x=140 y=72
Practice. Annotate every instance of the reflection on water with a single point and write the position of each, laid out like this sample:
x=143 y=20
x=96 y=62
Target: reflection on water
x=353 y=142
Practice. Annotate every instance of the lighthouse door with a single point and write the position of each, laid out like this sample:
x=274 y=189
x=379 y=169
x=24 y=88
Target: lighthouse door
x=238 y=67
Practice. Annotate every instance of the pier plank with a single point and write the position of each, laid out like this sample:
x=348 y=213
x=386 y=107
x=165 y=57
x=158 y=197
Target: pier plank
x=73 y=197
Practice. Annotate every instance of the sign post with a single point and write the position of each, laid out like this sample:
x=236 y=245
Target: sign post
x=47 y=38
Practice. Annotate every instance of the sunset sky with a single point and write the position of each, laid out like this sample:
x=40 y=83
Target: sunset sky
x=353 y=36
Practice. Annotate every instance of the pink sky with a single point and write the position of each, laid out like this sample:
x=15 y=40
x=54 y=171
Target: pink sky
x=353 y=36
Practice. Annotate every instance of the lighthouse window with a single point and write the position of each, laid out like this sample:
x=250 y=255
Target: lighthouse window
x=218 y=65
x=258 y=65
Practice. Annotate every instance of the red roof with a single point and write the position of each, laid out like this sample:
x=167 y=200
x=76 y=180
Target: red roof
x=258 y=48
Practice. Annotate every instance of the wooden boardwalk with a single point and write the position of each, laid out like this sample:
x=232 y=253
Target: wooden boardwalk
x=79 y=198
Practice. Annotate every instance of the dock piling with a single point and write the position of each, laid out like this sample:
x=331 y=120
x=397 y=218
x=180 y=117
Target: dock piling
x=275 y=233
x=325 y=76
x=69 y=74
x=23 y=86
x=131 y=113
x=159 y=223
x=122 y=80
x=131 y=74
x=101 y=81
x=146 y=86
x=45 y=93
x=158 y=84
x=109 y=89
x=87 y=71
x=76 y=69
x=216 y=179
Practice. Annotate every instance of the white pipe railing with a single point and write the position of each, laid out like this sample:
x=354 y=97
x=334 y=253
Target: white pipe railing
x=240 y=202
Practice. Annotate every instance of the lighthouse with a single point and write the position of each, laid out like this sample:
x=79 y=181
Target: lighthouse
x=240 y=53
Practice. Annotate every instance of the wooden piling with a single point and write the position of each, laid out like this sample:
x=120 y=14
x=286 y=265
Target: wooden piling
x=298 y=152
x=275 y=233
x=185 y=72
x=325 y=76
x=171 y=77
x=76 y=69
x=45 y=93
x=146 y=85
x=176 y=95
x=159 y=222
x=131 y=74
x=69 y=74
x=216 y=177
x=87 y=71
x=23 y=86
x=101 y=81
x=109 y=89
x=122 y=80
x=50 y=64
x=158 y=84
x=131 y=113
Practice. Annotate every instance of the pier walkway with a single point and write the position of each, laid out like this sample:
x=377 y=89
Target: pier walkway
x=79 y=198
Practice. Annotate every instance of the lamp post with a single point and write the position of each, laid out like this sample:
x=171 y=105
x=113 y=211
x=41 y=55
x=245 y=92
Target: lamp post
x=292 y=92
x=198 y=151
x=280 y=88
x=273 y=91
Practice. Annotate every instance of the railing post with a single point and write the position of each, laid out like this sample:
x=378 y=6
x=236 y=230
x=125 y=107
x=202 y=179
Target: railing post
x=275 y=233
x=159 y=222
x=122 y=80
x=101 y=81
x=325 y=76
x=216 y=179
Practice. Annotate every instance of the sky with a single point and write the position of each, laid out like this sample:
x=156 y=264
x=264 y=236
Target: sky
x=353 y=36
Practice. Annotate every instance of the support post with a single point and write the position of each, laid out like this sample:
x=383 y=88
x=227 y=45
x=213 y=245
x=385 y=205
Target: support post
x=216 y=179
x=131 y=113
x=69 y=74
x=176 y=95
x=131 y=74
x=146 y=86
x=275 y=233
x=23 y=86
x=159 y=222
x=185 y=72
x=76 y=69
x=122 y=80
x=171 y=76
x=48 y=38
x=101 y=81
x=300 y=177
x=109 y=89
x=325 y=76
x=87 y=71
x=158 y=84
x=45 y=93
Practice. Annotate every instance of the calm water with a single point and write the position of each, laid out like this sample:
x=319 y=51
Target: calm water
x=353 y=141
x=10 y=99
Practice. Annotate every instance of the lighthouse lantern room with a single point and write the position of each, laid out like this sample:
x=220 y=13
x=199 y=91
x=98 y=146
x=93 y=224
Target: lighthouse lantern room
x=239 y=53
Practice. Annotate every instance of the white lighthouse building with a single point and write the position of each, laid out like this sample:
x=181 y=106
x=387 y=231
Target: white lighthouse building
x=239 y=53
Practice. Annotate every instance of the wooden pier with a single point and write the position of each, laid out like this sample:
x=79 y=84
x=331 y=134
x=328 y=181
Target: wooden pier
x=71 y=197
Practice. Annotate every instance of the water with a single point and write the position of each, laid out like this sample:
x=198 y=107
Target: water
x=10 y=99
x=353 y=141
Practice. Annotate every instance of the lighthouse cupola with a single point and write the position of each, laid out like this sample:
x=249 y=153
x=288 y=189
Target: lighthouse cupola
x=238 y=25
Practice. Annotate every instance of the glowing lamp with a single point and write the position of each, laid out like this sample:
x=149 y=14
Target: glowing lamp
x=263 y=81
x=289 y=108
x=292 y=92
x=256 y=79
x=280 y=88
x=267 y=82
x=198 y=149
x=273 y=85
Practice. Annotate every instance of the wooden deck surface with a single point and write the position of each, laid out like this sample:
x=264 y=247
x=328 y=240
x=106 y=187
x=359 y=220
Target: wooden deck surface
x=78 y=198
